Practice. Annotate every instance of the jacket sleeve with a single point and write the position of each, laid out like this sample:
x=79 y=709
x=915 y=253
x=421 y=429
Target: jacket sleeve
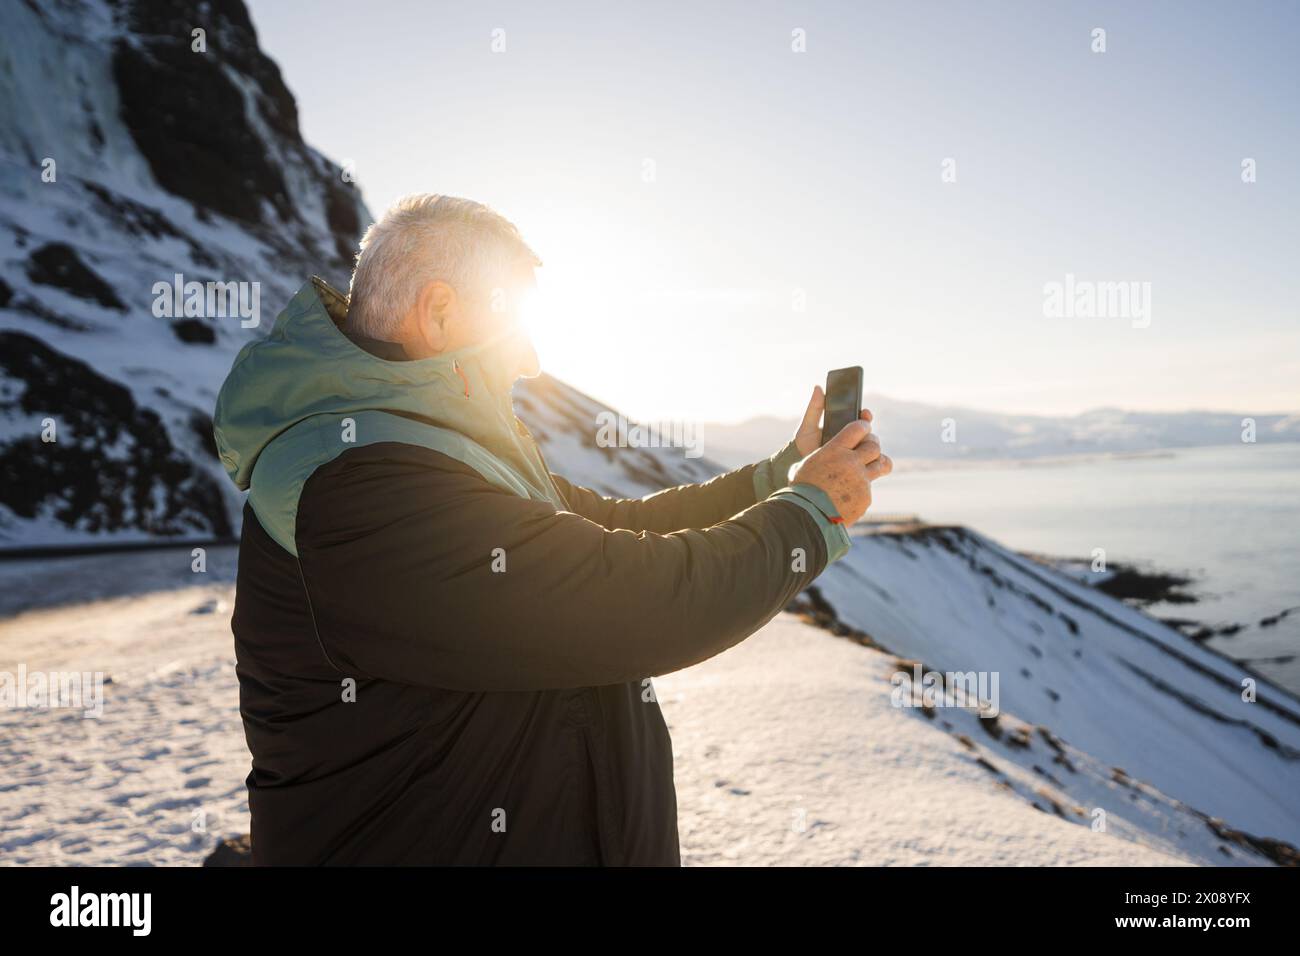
x=421 y=572
x=686 y=506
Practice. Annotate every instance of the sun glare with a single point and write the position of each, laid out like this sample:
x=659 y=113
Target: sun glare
x=580 y=315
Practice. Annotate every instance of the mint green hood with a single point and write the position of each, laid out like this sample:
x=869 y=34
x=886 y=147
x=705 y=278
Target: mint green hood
x=307 y=371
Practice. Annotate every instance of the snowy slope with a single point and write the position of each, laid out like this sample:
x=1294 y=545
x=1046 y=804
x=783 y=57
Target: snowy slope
x=564 y=422
x=166 y=161
x=127 y=158
x=1096 y=674
x=787 y=749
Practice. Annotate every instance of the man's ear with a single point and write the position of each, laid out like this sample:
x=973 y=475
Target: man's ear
x=434 y=308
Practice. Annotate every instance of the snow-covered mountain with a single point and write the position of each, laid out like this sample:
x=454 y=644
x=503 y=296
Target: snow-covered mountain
x=127 y=158
x=939 y=433
x=134 y=150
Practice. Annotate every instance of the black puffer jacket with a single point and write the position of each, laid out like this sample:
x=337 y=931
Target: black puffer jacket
x=530 y=733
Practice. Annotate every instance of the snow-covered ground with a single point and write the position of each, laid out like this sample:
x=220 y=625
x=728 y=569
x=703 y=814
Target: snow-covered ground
x=161 y=774
x=1145 y=701
x=789 y=749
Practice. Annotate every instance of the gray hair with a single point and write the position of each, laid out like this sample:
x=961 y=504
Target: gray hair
x=424 y=237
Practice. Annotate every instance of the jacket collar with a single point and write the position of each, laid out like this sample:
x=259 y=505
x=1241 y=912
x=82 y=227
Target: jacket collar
x=389 y=351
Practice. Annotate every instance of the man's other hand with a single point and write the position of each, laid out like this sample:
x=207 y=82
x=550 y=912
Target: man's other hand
x=809 y=436
x=845 y=467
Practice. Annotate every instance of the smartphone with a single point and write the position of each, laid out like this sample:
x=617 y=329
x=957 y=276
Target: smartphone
x=843 y=400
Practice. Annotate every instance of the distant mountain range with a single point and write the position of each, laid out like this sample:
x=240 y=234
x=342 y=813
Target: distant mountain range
x=949 y=433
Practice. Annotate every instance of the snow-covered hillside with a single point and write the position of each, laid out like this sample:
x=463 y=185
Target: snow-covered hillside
x=787 y=749
x=127 y=158
x=1079 y=673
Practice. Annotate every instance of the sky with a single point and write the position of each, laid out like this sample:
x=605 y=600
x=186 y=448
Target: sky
x=723 y=217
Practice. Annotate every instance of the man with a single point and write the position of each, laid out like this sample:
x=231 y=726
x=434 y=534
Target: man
x=444 y=650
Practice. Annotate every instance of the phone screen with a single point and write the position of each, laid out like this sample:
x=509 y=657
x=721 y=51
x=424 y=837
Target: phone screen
x=843 y=400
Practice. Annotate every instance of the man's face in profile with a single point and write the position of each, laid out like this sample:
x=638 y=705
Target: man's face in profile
x=444 y=321
x=506 y=316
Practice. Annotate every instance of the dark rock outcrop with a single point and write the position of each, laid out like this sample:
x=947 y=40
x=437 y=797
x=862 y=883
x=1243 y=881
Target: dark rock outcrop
x=57 y=264
x=112 y=466
x=194 y=332
x=232 y=851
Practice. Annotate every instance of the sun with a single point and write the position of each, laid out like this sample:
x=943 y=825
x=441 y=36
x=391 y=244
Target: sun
x=584 y=310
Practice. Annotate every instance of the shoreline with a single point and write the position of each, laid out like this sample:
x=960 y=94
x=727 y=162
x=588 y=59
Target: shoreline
x=918 y=465
x=1141 y=586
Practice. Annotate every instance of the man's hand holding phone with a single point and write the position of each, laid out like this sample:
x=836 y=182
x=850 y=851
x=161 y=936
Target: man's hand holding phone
x=846 y=465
